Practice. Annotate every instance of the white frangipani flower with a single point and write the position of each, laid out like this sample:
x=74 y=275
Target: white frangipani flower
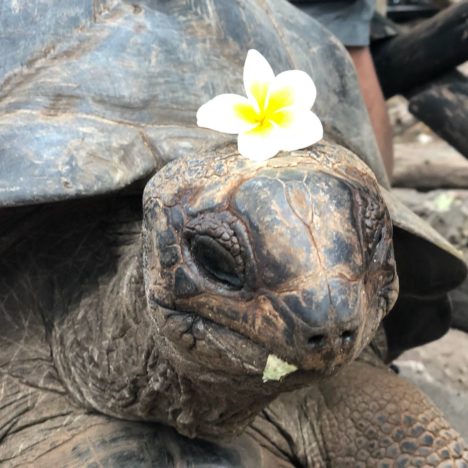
x=275 y=116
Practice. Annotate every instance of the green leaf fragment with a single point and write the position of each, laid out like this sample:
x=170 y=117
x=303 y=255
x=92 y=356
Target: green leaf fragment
x=444 y=201
x=276 y=368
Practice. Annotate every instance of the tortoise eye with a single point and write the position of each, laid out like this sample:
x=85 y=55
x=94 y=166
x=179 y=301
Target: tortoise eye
x=216 y=261
x=371 y=213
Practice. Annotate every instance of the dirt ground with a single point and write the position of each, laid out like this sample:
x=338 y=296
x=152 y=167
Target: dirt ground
x=440 y=368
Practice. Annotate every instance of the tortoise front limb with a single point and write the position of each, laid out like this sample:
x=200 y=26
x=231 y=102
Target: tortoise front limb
x=364 y=416
x=374 y=417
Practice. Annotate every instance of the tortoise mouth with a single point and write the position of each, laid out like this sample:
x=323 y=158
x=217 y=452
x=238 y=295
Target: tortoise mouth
x=218 y=348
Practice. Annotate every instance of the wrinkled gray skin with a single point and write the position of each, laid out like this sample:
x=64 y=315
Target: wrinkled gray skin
x=107 y=325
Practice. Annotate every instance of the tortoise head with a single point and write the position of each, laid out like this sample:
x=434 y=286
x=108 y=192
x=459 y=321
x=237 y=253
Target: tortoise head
x=292 y=257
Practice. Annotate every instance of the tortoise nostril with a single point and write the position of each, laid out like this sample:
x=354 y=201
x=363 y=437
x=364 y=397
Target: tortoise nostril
x=342 y=342
x=317 y=341
x=348 y=337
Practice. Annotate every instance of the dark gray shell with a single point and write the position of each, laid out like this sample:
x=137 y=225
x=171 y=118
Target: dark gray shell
x=98 y=94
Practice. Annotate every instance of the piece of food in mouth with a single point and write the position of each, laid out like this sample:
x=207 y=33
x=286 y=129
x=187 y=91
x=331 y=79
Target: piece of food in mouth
x=276 y=368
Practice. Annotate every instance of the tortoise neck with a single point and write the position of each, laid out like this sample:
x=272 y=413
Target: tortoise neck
x=104 y=343
x=212 y=405
x=111 y=358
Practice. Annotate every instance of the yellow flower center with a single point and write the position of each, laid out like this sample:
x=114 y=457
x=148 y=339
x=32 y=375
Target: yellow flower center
x=270 y=110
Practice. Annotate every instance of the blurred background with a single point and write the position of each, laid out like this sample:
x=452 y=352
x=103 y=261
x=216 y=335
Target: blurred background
x=431 y=177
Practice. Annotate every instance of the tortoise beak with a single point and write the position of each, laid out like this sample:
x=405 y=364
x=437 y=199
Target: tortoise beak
x=322 y=328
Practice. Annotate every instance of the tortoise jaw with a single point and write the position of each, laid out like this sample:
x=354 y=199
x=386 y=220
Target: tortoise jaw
x=222 y=349
x=214 y=346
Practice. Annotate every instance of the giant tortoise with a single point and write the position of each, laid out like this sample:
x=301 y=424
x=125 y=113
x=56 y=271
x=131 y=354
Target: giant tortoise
x=124 y=345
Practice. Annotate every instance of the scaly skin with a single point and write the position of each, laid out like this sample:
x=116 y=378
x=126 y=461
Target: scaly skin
x=364 y=416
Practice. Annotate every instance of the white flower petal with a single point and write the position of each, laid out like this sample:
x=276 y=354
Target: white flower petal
x=259 y=146
x=220 y=114
x=292 y=88
x=275 y=116
x=303 y=129
x=258 y=75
